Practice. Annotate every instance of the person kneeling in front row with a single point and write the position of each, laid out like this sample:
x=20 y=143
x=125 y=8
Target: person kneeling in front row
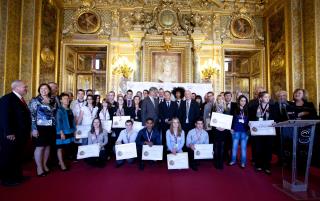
x=98 y=135
x=127 y=135
x=196 y=136
x=147 y=136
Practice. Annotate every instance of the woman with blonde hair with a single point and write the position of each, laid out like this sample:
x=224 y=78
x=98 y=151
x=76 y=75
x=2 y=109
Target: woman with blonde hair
x=175 y=137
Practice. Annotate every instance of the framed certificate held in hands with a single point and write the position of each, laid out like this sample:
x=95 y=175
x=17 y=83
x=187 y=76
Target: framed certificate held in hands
x=219 y=120
x=137 y=126
x=178 y=161
x=120 y=121
x=126 y=151
x=153 y=153
x=87 y=151
x=106 y=125
x=203 y=151
x=82 y=131
x=261 y=128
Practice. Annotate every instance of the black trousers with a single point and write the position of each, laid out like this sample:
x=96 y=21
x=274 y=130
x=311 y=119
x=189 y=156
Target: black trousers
x=11 y=159
x=263 y=149
x=219 y=142
x=98 y=161
x=192 y=162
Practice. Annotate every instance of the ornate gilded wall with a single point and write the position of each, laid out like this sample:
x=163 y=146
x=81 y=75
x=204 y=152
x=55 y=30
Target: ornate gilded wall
x=49 y=26
x=277 y=51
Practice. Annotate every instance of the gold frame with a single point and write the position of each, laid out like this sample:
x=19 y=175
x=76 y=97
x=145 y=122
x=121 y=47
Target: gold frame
x=156 y=45
x=152 y=73
x=235 y=33
x=80 y=13
x=160 y=18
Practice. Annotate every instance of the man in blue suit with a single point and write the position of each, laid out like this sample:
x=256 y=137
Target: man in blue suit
x=147 y=136
x=189 y=112
x=167 y=110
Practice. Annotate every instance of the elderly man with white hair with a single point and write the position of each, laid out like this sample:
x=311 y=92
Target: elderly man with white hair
x=189 y=112
x=15 y=128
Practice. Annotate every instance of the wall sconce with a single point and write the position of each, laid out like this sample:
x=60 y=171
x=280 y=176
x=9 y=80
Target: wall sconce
x=210 y=70
x=122 y=67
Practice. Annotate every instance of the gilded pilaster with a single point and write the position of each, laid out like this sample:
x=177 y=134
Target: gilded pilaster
x=11 y=71
x=309 y=49
x=3 y=39
x=317 y=48
x=296 y=57
x=26 y=45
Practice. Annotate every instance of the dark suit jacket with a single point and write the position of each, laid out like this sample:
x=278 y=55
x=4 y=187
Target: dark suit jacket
x=273 y=112
x=15 y=118
x=134 y=116
x=149 y=110
x=142 y=137
x=194 y=112
x=167 y=113
x=232 y=108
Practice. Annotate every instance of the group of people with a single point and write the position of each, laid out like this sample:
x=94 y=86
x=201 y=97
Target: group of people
x=177 y=119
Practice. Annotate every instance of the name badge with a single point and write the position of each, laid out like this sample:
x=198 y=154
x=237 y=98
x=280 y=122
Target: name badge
x=241 y=121
x=260 y=119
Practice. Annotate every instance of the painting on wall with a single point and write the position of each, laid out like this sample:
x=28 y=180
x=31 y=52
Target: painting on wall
x=277 y=47
x=70 y=82
x=70 y=60
x=84 y=82
x=166 y=67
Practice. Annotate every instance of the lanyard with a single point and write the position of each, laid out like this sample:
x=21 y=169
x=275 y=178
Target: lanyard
x=128 y=136
x=91 y=111
x=264 y=110
x=104 y=112
x=80 y=104
x=149 y=138
x=198 y=136
x=242 y=114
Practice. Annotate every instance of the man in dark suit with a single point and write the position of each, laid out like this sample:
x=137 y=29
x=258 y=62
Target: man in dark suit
x=230 y=110
x=167 y=110
x=189 y=112
x=15 y=128
x=147 y=136
x=150 y=107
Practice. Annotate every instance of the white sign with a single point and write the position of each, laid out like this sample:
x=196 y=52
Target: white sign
x=137 y=126
x=106 y=125
x=203 y=151
x=262 y=128
x=82 y=131
x=219 y=120
x=199 y=88
x=87 y=151
x=153 y=153
x=126 y=151
x=178 y=161
x=120 y=121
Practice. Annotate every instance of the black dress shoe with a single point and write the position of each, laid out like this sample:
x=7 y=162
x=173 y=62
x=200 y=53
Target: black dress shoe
x=119 y=165
x=10 y=183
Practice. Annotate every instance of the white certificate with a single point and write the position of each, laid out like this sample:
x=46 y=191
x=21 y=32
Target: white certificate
x=106 y=125
x=137 y=126
x=219 y=120
x=126 y=151
x=258 y=128
x=87 y=151
x=178 y=161
x=203 y=151
x=152 y=153
x=120 y=121
x=82 y=131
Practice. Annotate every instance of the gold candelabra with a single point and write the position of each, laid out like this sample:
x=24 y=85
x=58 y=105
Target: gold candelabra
x=122 y=67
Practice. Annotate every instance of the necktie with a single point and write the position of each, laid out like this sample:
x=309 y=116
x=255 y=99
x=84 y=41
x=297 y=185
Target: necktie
x=23 y=101
x=129 y=103
x=168 y=104
x=188 y=107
